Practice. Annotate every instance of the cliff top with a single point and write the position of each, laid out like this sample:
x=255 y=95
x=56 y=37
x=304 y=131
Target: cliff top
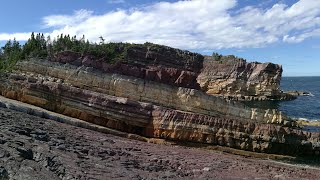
x=138 y=54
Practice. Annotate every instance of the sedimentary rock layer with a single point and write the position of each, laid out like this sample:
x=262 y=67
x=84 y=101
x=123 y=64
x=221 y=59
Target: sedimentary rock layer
x=136 y=89
x=237 y=79
x=227 y=76
x=151 y=62
x=153 y=109
x=245 y=135
x=39 y=149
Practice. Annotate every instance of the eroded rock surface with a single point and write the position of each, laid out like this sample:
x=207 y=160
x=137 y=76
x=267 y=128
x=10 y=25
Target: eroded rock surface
x=36 y=75
x=152 y=91
x=150 y=62
x=234 y=78
x=36 y=148
x=154 y=110
x=228 y=76
x=190 y=127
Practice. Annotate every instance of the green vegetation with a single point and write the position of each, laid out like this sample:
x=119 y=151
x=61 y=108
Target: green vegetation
x=9 y=54
x=216 y=56
x=225 y=59
x=39 y=46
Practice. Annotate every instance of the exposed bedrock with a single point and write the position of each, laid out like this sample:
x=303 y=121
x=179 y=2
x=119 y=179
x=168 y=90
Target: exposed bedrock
x=227 y=76
x=160 y=122
x=236 y=79
x=136 y=89
x=234 y=133
x=153 y=109
x=155 y=63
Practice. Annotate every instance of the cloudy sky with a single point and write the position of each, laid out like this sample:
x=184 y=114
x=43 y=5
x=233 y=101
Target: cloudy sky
x=286 y=32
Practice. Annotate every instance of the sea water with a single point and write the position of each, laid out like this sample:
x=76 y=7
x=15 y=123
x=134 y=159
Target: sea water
x=304 y=107
x=307 y=107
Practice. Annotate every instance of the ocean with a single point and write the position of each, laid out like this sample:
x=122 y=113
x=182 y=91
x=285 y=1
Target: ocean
x=307 y=107
x=304 y=107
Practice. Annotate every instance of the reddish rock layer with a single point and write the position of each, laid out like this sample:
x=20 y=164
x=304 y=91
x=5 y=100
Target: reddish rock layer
x=155 y=96
x=156 y=121
x=155 y=63
x=36 y=148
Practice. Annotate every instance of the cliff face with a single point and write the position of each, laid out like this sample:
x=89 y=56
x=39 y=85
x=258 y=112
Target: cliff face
x=234 y=78
x=86 y=78
x=129 y=100
x=230 y=77
x=231 y=132
x=154 y=63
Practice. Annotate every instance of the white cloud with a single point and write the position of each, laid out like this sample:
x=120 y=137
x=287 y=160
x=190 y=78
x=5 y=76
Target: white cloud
x=196 y=24
x=67 y=20
x=17 y=36
x=116 y=1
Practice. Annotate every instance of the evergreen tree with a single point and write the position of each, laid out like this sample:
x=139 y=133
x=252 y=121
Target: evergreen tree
x=37 y=46
x=10 y=54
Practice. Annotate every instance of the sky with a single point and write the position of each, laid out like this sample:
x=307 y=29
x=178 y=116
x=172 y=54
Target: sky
x=285 y=32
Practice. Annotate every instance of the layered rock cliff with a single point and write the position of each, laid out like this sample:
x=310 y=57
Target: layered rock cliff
x=153 y=62
x=106 y=94
x=234 y=78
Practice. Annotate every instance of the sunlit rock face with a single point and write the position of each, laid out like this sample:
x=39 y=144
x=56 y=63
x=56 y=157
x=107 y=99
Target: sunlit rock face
x=230 y=132
x=137 y=89
x=237 y=79
x=129 y=100
x=150 y=62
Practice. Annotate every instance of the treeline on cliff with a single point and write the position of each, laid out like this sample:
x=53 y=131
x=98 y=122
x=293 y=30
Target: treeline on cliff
x=39 y=46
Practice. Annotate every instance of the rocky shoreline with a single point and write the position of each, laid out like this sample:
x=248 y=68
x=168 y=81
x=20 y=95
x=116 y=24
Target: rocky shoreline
x=156 y=94
x=299 y=93
x=37 y=148
x=152 y=97
x=154 y=110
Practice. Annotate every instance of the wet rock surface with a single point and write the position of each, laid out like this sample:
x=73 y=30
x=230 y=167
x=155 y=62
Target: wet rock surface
x=299 y=93
x=36 y=148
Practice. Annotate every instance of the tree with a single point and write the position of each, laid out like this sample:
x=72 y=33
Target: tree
x=101 y=40
x=37 y=46
x=10 y=53
x=216 y=56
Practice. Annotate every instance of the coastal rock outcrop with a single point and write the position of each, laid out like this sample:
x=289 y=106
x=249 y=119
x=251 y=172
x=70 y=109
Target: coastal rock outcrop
x=234 y=133
x=153 y=62
x=299 y=93
x=229 y=77
x=236 y=79
x=136 y=89
x=152 y=91
x=70 y=152
x=153 y=109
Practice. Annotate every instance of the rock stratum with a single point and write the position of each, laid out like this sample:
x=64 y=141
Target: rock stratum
x=153 y=93
x=36 y=148
x=234 y=78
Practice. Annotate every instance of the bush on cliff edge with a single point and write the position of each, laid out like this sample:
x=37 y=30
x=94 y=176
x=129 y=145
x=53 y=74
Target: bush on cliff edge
x=37 y=46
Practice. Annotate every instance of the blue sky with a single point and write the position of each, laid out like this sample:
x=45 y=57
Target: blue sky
x=286 y=32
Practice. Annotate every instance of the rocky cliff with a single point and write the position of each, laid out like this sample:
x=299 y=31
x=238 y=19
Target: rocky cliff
x=163 y=108
x=153 y=62
x=234 y=78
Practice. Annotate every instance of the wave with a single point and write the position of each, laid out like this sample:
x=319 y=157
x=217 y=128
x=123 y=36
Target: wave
x=305 y=119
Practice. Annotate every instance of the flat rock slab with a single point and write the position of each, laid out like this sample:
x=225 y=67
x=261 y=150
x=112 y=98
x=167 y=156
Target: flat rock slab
x=37 y=148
